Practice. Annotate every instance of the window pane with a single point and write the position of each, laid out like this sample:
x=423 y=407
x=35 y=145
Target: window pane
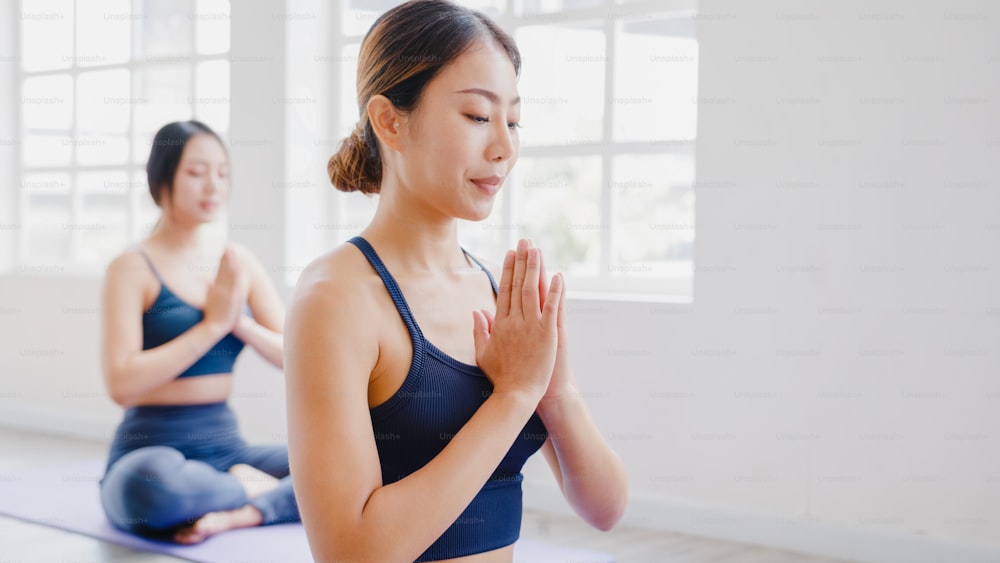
x=656 y=79
x=356 y=211
x=359 y=15
x=562 y=84
x=102 y=102
x=557 y=208
x=102 y=117
x=349 y=112
x=148 y=212
x=212 y=26
x=46 y=34
x=48 y=150
x=47 y=103
x=101 y=149
x=45 y=183
x=211 y=102
x=653 y=215
x=103 y=221
x=47 y=215
x=104 y=32
x=491 y=8
x=535 y=6
x=162 y=95
x=164 y=30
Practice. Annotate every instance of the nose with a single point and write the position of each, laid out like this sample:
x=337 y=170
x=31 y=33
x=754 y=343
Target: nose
x=504 y=144
x=212 y=183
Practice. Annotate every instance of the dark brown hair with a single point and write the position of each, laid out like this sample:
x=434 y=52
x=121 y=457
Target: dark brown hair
x=403 y=51
x=165 y=154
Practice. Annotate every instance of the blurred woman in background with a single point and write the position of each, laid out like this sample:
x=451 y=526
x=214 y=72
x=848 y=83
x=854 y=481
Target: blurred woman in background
x=174 y=320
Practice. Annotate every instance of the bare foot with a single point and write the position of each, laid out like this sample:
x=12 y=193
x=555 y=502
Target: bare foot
x=255 y=481
x=215 y=522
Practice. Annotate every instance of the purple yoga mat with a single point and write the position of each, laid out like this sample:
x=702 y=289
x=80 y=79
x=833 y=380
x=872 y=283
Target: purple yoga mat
x=67 y=497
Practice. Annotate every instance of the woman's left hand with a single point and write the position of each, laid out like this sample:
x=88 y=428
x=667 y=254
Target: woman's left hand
x=243 y=324
x=562 y=382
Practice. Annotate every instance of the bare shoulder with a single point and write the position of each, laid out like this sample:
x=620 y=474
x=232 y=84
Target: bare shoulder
x=128 y=282
x=128 y=267
x=334 y=318
x=340 y=273
x=338 y=288
x=246 y=256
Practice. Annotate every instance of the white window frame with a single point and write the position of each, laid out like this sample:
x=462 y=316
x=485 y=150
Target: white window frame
x=24 y=264
x=672 y=289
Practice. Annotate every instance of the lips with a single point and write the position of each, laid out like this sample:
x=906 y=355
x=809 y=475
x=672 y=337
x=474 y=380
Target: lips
x=209 y=205
x=490 y=185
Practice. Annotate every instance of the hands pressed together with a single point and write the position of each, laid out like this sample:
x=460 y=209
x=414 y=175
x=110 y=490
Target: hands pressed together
x=522 y=348
x=228 y=293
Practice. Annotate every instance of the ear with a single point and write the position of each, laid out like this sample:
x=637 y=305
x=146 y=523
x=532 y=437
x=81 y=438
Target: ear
x=387 y=122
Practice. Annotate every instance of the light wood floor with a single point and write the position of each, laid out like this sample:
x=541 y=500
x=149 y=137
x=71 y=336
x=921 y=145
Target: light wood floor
x=24 y=542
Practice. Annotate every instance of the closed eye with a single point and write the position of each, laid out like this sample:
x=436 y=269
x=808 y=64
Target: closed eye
x=481 y=119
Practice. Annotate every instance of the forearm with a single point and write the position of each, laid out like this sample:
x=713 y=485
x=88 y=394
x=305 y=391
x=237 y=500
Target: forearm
x=144 y=371
x=420 y=507
x=593 y=477
x=265 y=341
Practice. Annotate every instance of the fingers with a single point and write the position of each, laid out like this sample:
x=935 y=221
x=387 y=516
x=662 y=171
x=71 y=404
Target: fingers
x=225 y=270
x=517 y=287
x=561 y=317
x=506 y=281
x=542 y=289
x=530 y=299
x=228 y=266
x=489 y=319
x=480 y=331
x=553 y=301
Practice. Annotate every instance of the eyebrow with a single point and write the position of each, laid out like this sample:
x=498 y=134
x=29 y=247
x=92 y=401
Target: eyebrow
x=203 y=162
x=488 y=95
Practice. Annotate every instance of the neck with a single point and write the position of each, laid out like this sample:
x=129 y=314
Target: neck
x=175 y=235
x=414 y=237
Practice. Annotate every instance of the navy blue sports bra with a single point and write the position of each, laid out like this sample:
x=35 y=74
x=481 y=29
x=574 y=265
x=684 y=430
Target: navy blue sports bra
x=170 y=316
x=439 y=395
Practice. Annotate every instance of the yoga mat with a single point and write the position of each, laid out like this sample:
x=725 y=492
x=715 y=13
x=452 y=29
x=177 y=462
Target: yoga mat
x=67 y=497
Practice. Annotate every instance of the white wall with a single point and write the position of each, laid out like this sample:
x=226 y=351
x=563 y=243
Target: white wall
x=9 y=105
x=833 y=388
x=839 y=366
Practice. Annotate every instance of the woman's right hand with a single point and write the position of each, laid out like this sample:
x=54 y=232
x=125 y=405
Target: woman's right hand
x=228 y=293
x=516 y=347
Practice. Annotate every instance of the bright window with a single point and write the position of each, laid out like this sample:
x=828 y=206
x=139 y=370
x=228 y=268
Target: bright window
x=604 y=184
x=97 y=80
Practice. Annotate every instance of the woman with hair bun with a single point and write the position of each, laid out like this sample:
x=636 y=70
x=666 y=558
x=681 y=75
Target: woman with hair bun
x=417 y=386
x=174 y=319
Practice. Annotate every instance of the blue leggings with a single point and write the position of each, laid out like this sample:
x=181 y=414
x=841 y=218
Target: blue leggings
x=167 y=468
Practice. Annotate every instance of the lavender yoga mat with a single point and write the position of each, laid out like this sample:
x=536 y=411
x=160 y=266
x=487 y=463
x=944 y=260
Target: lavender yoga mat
x=66 y=497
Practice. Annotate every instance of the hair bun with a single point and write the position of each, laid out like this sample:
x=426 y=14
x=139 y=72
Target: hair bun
x=355 y=167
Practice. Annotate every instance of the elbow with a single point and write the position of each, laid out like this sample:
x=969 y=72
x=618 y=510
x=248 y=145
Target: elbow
x=279 y=361
x=611 y=515
x=121 y=399
x=608 y=506
x=117 y=392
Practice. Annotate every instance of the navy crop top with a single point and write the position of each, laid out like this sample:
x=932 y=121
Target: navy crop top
x=170 y=316
x=439 y=395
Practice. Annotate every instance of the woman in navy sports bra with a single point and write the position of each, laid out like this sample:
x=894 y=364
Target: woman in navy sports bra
x=417 y=387
x=175 y=317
